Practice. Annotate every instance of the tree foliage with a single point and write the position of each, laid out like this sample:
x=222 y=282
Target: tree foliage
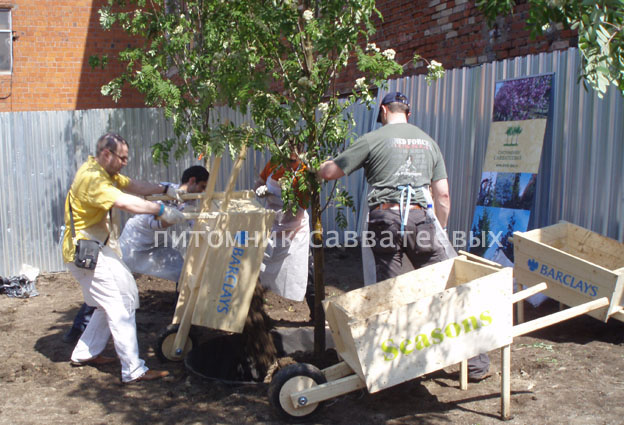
x=276 y=60
x=600 y=26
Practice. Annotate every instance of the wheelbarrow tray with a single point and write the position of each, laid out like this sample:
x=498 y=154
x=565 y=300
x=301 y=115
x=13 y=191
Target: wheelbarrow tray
x=422 y=321
x=577 y=264
x=223 y=263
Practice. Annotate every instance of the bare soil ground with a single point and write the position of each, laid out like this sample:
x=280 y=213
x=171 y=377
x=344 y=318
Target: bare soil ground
x=570 y=373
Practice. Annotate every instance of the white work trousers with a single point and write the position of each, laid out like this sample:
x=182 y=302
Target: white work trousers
x=112 y=289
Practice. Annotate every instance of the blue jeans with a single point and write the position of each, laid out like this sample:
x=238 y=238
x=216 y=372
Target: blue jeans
x=82 y=317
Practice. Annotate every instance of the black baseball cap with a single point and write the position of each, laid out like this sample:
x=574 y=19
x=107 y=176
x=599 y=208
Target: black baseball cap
x=392 y=97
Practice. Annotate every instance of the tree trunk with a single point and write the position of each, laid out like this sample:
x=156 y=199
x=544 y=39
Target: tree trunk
x=319 y=282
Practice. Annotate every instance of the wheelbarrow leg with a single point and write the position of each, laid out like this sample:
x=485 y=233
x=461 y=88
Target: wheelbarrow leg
x=177 y=349
x=463 y=375
x=506 y=382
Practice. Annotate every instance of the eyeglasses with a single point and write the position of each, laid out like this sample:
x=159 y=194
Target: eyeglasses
x=121 y=158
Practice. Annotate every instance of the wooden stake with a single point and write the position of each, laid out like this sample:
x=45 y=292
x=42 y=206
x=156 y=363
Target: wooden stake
x=506 y=382
x=188 y=305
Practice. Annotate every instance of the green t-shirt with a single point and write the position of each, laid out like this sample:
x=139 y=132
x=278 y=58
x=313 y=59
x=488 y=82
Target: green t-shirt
x=392 y=156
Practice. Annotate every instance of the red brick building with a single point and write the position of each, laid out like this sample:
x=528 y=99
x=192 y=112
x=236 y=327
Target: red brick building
x=53 y=40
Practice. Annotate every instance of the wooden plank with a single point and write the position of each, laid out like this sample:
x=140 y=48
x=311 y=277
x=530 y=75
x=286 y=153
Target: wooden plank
x=232 y=270
x=466 y=270
x=233 y=177
x=477 y=259
x=195 y=252
x=560 y=316
x=200 y=215
x=341 y=333
x=595 y=247
x=434 y=331
x=329 y=390
x=554 y=235
x=334 y=326
x=242 y=194
x=526 y=293
x=616 y=296
x=506 y=382
x=383 y=296
x=177 y=349
x=618 y=315
x=337 y=371
x=210 y=186
x=520 y=311
x=192 y=272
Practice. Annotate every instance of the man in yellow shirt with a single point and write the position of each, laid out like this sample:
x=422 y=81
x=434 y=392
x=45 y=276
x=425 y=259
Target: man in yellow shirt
x=97 y=187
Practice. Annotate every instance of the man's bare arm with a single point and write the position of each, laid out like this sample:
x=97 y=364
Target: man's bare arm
x=134 y=204
x=142 y=188
x=441 y=200
x=330 y=171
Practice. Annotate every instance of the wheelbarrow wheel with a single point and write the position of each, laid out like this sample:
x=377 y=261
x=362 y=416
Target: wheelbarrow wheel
x=166 y=341
x=289 y=380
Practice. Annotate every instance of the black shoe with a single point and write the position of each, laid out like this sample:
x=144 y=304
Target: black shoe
x=72 y=336
x=479 y=378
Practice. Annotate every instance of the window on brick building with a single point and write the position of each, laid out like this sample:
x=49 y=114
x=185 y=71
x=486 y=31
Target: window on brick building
x=6 y=41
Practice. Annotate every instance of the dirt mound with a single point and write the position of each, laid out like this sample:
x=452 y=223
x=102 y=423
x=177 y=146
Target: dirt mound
x=570 y=373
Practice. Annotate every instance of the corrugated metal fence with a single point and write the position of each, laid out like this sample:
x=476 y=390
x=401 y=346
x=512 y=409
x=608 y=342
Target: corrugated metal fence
x=580 y=177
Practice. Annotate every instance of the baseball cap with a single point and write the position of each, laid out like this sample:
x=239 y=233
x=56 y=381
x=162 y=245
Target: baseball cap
x=392 y=97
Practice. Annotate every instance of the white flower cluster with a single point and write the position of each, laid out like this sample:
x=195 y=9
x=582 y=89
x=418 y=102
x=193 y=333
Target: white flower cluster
x=308 y=15
x=372 y=47
x=389 y=53
x=434 y=65
x=305 y=82
x=360 y=83
x=323 y=107
x=435 y=71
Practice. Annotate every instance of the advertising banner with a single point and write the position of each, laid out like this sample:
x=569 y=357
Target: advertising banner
x=507 y=188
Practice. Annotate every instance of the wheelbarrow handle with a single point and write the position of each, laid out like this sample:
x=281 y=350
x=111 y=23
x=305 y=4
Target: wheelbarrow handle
x=560 y=316
x=526 y=293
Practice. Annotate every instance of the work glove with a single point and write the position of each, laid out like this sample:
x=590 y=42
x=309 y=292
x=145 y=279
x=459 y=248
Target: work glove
x=172 y=216
x=175 y=193
x=262 y=191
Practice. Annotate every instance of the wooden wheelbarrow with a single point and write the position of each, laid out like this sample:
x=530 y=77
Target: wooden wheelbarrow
x=221 y=265
x=579 y=266
x=412 y=325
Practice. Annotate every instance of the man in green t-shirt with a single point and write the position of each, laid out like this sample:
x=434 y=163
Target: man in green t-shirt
x=400 y=162
x=404 y=169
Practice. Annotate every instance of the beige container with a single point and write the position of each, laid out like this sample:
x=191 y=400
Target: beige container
x=223 y=262
x=577 y=264
x=422 y=321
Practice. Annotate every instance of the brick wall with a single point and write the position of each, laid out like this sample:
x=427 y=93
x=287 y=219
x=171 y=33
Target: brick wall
x=455 y=33
x=54 y=39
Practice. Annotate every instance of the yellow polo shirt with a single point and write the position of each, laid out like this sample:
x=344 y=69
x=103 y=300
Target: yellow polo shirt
x=93 y=193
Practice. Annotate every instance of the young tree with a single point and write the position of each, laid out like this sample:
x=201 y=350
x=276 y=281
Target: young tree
x=277 y=60
x=481 y=232
x=600 y=26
